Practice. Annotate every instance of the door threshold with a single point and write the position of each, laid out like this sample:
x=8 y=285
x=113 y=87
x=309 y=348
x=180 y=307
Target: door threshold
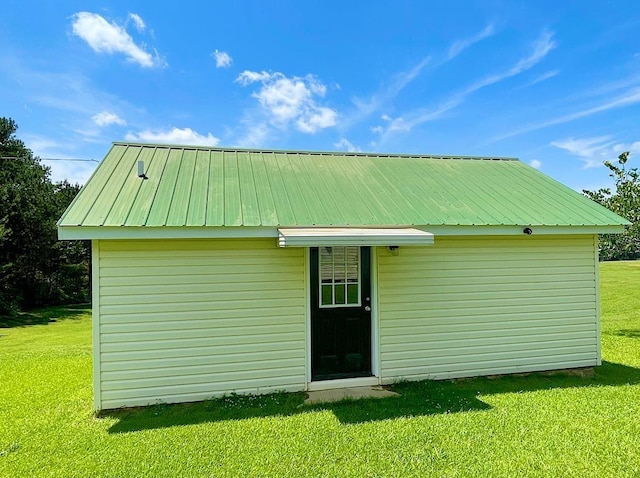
x=343 y=383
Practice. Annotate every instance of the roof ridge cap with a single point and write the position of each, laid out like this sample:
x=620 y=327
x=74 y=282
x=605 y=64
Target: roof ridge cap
x=317 y=153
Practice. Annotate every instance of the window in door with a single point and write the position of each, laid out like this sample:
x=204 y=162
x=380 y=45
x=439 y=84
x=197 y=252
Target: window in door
x=339 y=269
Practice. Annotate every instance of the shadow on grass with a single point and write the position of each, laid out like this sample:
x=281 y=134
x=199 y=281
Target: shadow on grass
x=45 y=315
x=633 y=333
x=416 y=399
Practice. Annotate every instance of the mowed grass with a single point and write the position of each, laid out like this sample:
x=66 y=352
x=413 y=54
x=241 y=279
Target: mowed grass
x=536 y=425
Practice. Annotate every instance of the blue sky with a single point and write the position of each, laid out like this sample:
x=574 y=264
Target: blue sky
x=556 y=84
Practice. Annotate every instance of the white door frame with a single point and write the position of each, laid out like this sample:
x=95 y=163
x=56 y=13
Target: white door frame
x=375 y=332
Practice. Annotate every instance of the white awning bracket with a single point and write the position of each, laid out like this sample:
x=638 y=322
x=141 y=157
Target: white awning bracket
x=346 y=236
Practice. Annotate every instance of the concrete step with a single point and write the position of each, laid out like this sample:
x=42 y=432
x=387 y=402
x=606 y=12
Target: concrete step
x=351 y=393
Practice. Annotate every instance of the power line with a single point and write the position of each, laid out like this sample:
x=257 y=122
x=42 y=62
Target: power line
x=54 y=159
x=70 y=159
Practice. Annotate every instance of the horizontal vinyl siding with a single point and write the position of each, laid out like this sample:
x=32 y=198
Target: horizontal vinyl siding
x=188 y=320
x=479 y=306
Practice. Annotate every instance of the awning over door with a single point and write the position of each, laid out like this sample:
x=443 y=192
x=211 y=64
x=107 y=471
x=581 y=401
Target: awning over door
x=345 y=236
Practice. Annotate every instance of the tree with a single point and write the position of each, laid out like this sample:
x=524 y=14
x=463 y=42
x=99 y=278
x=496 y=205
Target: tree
x=32 y=261
x=625 y=201
x=71 y=279
x=25 y=200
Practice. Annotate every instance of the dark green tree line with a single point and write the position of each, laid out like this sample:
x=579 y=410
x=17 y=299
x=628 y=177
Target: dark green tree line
x=35 y=268
x=625 y=201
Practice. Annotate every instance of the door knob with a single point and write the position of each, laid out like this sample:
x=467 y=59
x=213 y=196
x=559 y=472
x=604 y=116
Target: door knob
x=367 y=308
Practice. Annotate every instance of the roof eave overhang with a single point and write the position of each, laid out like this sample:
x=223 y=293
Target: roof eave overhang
x=353 y=236
x=202 y=232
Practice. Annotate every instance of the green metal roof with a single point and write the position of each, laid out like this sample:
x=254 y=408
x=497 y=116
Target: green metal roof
x=202 y=186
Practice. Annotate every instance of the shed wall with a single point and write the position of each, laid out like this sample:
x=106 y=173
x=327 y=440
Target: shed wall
x=184 y=320
x=477 y=306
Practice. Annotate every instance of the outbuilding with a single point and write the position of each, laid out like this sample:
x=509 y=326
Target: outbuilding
x=220 y=271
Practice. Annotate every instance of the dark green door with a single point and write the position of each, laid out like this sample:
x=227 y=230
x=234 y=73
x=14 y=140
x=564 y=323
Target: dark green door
x=340 y=312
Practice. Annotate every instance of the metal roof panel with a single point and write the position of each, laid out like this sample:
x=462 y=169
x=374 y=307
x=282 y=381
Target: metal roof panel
x=141 y=206
x=197 y=209
x=203 y=186
x=215 y=193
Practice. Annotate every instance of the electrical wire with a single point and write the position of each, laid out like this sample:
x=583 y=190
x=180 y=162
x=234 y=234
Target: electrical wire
x=54 y=159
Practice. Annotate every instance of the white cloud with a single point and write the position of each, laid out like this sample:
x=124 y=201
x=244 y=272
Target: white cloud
x=89 y=134
x=292 y=100
x=628 y=81
x=365 y=108
x=254 y=136
x=633 y=148
x=137 y=21
x=174 y=136
x=106 y=118
x=320 y=118
x=536 y=164
x=384 y=96
x=459 y=46
x=70 y=101
x=43 y=146
x=65 y=164
x=247 y=77
x=629 y=97
x=586 y=146
x=540 y=78
x=105 y=37
x=594 y=151
x=346 y=145
x=69 y=91
x=72 y=171
x=411 y=120
x=223 y=60
x=541 y=47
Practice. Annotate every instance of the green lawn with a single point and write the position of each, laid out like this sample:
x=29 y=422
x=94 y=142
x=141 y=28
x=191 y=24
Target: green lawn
x=512 y=426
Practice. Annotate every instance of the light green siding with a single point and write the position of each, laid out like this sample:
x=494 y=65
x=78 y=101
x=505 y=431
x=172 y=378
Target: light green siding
x=478 y=306
x=185 y=320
